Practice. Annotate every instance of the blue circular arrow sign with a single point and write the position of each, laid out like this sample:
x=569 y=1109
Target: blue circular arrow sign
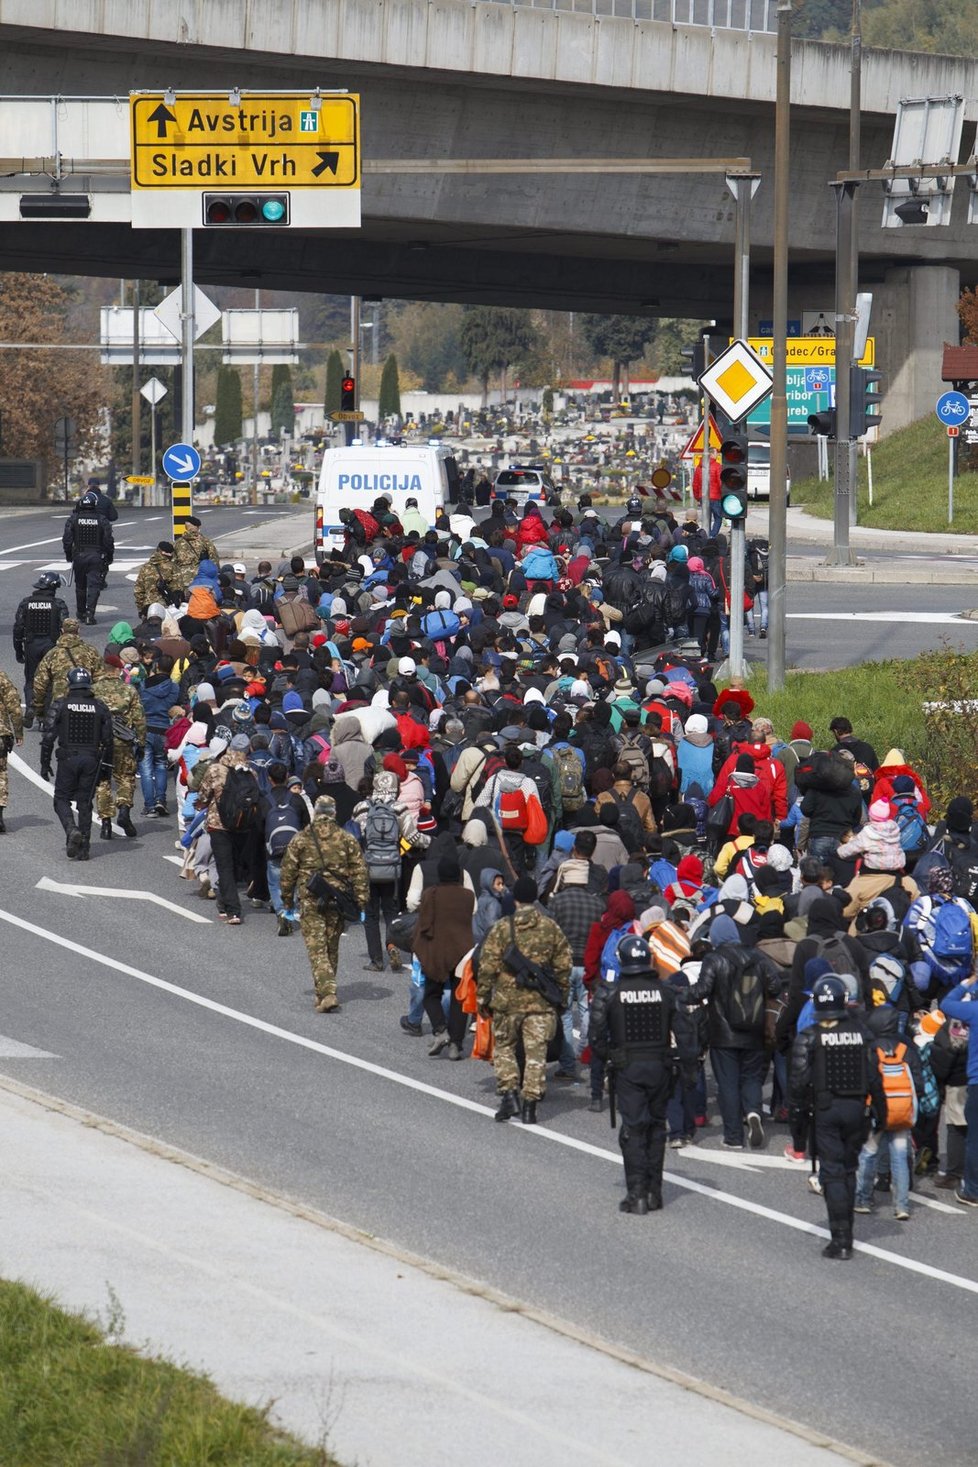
x=181 y=462
x=952 y=408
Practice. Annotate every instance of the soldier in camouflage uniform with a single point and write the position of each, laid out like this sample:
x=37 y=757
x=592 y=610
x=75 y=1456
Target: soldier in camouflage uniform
x=339 y=857
x=126 y=707
x=522 y=1012
x=191 y=548
x=11 y=732
x=158 y=580
x=51 y=677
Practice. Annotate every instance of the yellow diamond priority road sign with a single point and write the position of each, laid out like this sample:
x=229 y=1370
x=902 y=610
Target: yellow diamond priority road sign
x=737 y=381
x=233 y=142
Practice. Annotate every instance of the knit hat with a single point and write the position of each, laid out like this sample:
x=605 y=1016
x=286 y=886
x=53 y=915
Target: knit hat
x=903 y=785
x=426 y=822
x=816 y=968
x=624 y=687
x=879 y=811
x=696 y=724
x=940 y=881
x=112 y=659
x=242 y=714
x=959 y=815
x=779 y=858
x=678 y=552
x=800 y=730
x=325 y=806
x=510 y=602
x=70 y=624
x=332 y=772
x=241 y=744
x=525 y=889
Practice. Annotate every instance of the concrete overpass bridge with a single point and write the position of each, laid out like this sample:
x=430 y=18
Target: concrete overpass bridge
x=448 y=78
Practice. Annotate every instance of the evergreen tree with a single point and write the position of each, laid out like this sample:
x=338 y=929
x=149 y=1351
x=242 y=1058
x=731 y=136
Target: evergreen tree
x=334 y=376
x=390 y=390
x=494 y=338
x=622 y=338
x=227 y=413
x=283 y=403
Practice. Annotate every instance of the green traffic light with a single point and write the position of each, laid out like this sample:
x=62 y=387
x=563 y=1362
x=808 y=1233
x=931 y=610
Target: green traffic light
x=273 y=210
x=732 y=506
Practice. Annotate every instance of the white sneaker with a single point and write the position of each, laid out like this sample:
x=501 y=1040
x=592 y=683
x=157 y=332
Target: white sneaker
x=755 y=1131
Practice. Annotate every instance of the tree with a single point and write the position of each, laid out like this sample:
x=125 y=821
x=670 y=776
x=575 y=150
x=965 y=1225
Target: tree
x=425 y=339
x=334 y=376
x=283 y=403
x=495 y=338
x=672 y=333
x=623 y=339
x=38 y=387
x=390 y=390
x=227 y=413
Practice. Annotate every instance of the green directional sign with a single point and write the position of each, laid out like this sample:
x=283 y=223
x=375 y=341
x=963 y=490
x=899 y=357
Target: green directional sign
x=809 y=390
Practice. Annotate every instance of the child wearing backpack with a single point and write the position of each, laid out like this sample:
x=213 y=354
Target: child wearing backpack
x=904 y=1087
x=938 y=933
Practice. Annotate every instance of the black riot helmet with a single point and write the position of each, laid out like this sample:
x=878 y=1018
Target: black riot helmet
x=634 y=956
x=829 y=997
x=48 y=581
x=79 y=677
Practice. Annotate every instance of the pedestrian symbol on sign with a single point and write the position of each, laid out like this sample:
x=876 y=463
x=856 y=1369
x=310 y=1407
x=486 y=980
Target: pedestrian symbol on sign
x=308 y=121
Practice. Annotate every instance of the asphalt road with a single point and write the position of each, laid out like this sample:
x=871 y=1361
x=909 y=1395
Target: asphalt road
x=205 y=1037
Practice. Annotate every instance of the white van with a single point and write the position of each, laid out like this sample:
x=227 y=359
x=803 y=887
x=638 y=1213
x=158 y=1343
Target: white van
x=759 y=472
x=352 y=478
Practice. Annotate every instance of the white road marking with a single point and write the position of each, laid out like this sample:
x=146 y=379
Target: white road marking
x=741 y=1161
x=12 y=549
x=11 y=564
x=921 y=618
x=541 y=1133
x=934 y=1205
x=13 y=1049
x=71 y=888
x=152 y=519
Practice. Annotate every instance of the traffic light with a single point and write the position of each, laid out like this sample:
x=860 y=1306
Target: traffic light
x=251 y=210
x=733 y=476
x=693 y=359
x=822 y=425
x=864 y=404
x=348 y=395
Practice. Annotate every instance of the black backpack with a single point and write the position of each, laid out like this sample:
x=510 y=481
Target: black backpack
x=240 y=806
x=748 y=997
x=282 y=822
x=629 y=820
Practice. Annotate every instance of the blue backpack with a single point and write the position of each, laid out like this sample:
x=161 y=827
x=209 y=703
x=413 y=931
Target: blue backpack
x=914 y=834
x=439 y=626
x=609 y=965
x=942 y=927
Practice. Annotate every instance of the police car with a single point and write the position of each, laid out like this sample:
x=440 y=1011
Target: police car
x=524 y=483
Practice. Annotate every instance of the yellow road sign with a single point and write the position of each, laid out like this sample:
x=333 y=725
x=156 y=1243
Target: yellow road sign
x=809 y=351
x=140 y=479
x=695 y=445
x=347 y=417
x=276 y=140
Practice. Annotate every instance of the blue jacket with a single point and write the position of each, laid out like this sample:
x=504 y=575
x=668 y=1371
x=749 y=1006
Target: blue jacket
x=962 y=1003
x=158 y=695
x=695 y=766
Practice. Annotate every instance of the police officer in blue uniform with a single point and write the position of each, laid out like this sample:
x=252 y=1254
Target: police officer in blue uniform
x=835 y=1077
x=37 y=626
x=89 y=546
x=639 y=1026
x=81 y=726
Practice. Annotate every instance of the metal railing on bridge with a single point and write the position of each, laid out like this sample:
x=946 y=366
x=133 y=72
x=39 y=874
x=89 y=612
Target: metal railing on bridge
x=740 y=15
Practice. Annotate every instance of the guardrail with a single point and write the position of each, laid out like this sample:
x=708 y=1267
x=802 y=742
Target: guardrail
x=738 y=15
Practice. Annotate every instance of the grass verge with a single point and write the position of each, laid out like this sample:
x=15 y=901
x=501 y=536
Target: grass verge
x=909 y=485
x=70 y=1397
x=885 y=703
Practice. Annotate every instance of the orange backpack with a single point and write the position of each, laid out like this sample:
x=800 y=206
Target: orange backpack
x=898 y=1087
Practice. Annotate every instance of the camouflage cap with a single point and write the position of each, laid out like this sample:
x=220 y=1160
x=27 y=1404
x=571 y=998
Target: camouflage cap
x=71 y=624
x=325 y=806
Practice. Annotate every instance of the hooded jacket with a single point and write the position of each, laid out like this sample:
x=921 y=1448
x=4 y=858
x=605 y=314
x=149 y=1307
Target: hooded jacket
x=350 y=747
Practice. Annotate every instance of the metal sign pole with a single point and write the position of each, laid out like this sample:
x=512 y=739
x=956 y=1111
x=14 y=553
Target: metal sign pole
x=950 y=480
x=187 y=321
x=778 y=490
x=743 y=191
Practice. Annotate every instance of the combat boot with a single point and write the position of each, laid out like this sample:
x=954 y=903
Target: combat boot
x=509 y=1105
x=634 y=1202
x=84 y=854
x=28 y=718
x=328 y=1004
x=841 y=1244
x=125 y=822
x=106 y=832
x=74 y=843
x=654 y=1199
x=529 y=1116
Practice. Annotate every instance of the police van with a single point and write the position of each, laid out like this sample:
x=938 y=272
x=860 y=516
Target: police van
x=352 y=478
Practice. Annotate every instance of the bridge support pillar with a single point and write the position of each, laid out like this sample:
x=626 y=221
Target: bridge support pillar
x=913 y=316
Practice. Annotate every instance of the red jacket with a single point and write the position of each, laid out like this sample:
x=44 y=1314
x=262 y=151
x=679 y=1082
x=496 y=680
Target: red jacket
x=754 y=799
x=531 y=531
x=769 y=772
x=883 y=785
x=714 y=479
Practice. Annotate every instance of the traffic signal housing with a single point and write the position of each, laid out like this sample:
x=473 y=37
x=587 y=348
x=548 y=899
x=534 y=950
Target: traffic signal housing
x=693 y=359
x=348 y=395
x=864 y=401
x=733 y=477
x=822 y=425
x=251 y=211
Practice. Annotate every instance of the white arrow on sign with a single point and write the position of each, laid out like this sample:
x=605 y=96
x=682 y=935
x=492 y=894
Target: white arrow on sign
x=70 y=888
x=185 y=465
